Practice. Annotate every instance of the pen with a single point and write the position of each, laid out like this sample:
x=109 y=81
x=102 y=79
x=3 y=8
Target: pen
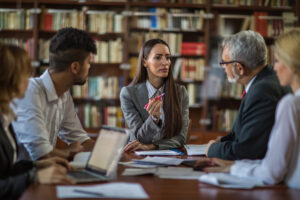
x=98 y=194
x=156 y=98
x=177 y=151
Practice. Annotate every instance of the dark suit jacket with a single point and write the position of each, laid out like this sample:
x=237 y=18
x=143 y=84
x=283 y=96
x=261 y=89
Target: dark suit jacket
x=14 y=178
x=256 y=115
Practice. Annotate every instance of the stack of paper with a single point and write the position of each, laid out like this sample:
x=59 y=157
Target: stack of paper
x=150 y=162
x=109 y=190
x=195 y=149
x=159 y=153
x=80 y=159
x=229 y=181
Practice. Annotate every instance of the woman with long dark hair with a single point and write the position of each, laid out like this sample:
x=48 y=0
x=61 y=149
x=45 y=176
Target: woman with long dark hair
x=155 y=108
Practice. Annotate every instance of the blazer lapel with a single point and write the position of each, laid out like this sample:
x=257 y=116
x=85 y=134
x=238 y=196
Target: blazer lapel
x=142 y=99
x=7 y=148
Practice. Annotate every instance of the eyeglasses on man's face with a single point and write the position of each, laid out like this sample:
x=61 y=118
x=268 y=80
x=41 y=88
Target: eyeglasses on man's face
x=223 y=64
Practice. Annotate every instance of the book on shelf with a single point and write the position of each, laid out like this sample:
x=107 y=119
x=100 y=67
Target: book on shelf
x=16 y=19
x=55 y=19
x=137 y=40
x=110 y=51
x=194 y=93
x=272 y=3
x=92 y=116
x=28 y=44
x=97 y=88
x=104 y=22
x=193 y=48
x=224 y=119
x=192 y=69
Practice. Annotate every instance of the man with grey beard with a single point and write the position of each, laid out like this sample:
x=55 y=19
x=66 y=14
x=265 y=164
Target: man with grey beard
x=244 y=59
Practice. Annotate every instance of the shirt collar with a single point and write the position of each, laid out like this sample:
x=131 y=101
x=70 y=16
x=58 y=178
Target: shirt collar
x=49 y=86
x=152 y=90
x=249 y=84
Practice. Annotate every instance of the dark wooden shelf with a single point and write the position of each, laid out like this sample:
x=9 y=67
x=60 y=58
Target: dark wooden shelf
x=173 y=56
x=85 y=3
x=251 y=8
x=167 y=30
x=104 y=36
x=102 y=102
x=189 y=81
x=166 y=5
x=226 y=103
x=20 y=34
x=106 y=69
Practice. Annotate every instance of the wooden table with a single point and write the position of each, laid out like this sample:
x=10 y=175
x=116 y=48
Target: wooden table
x=165 y=189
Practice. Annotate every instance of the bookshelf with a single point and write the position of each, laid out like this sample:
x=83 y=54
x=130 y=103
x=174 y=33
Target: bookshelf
x=124 y=25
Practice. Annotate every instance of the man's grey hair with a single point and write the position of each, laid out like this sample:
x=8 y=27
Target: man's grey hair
x=247 y=47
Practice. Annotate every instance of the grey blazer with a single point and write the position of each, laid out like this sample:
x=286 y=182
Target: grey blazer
x=142 y=128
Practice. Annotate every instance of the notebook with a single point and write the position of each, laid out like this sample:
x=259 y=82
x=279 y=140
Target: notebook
x=103 y=161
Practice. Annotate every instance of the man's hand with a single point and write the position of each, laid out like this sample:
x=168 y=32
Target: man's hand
x=215 y=164
x=52 y=161
x=136 y=145
x=208 y=145
x=55 y=174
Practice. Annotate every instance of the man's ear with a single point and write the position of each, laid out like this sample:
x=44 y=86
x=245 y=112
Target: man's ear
x=75 y=67
x=240 y=69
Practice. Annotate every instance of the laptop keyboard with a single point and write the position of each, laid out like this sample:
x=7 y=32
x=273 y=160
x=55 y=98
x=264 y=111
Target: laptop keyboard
x=82 y=175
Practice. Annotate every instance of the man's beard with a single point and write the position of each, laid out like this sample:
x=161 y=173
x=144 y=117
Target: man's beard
x=235 y=78
x=80 y=82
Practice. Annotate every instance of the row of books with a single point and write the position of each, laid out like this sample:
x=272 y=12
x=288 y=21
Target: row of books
x=99 y=87
x=28 y=45
x=194 y=93
x=193 y=48
x=189 y=69
x=91 y=116
x=174 y=19
x=104 y=22
x=267 y=26
x=54 y=19
x=272 y=3
x=224 y=119
x=19 y=19
x=137 y=40
x=231 y=90
x=107 y=51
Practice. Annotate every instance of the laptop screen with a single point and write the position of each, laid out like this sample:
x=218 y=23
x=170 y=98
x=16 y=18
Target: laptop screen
x=107 y=149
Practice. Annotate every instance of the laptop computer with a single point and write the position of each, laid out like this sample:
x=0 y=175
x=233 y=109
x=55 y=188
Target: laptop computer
x=103 y=161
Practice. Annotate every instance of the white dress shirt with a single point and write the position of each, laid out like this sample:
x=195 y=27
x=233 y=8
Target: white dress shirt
x=282 y=161
x=42 y=116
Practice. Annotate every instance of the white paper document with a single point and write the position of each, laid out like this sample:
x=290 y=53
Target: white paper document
x=165 y=172
x=139 y=165
x=158 y=153
x=160 y=160
x=195 y=149
x=229 y=181
x=80 y=159
x=109 y=190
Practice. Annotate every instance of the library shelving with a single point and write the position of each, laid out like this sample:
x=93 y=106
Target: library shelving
x=191 y=27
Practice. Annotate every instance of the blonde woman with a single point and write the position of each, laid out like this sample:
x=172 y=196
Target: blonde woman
x=15 y=70
x=282 y=161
